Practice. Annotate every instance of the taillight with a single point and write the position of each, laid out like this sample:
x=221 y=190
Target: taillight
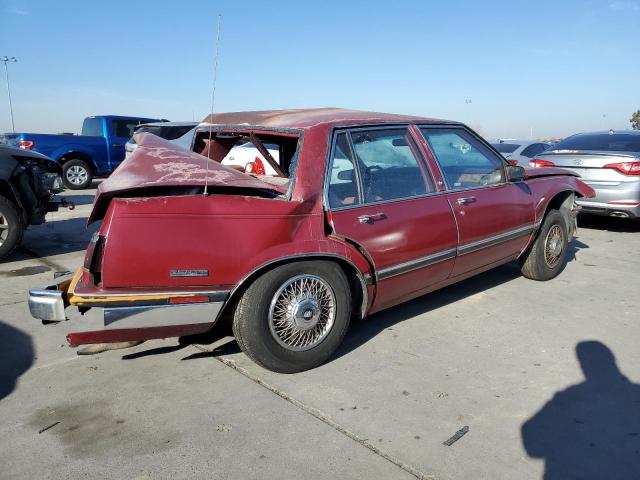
x=626 y=168
x=25 y=144
x=536 y=162
x=256 y=167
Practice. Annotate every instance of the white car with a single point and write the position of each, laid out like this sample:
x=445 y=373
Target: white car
x=249 y=158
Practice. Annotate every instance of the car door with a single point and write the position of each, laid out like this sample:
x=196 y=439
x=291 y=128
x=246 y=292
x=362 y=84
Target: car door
x=381 y=195
x=495 y=217
x=121 y=131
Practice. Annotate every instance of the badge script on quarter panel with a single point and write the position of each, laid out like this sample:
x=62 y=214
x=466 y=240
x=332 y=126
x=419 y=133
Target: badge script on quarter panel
x=189 y=273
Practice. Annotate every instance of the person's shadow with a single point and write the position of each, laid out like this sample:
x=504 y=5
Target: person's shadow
x=590 y=430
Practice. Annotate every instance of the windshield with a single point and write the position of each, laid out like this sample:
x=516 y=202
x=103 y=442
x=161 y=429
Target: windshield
x=603 y=142
x=505 y=147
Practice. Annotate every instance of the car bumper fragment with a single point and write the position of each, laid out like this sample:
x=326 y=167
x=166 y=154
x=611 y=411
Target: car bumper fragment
x=48 y=303
x=133 y=317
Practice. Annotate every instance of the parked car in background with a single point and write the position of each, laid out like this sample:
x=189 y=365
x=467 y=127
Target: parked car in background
x=417 y=204
x=97 y=151
x=607 y=161
x=246 y=157
x=28 y=181
x=521 y=151
x=178 y=133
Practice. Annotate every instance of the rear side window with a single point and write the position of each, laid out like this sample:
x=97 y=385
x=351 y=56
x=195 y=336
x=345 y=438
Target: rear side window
x=343 y=183
x=464 y=161
x=534 y=149
x=505 y=147
x=171 y=133
x=604 y=142
x=92 y=127
x=387 y=166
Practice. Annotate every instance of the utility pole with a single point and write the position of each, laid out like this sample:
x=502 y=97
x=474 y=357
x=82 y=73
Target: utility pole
x=6 y=59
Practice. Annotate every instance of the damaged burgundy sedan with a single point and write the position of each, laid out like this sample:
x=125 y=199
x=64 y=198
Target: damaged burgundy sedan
x=366 y=211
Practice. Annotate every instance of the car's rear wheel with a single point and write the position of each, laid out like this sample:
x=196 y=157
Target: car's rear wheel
x=547 y=256
x=77 y=174
x=11 y=227
x=294 y=317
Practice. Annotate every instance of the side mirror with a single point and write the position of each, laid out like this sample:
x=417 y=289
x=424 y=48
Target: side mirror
x=516 y=174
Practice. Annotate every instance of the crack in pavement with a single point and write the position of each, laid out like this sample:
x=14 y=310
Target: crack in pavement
x=322 y=417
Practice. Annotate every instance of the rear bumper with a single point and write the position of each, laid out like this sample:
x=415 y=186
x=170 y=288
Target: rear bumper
x=616 y=200
x=129 y=316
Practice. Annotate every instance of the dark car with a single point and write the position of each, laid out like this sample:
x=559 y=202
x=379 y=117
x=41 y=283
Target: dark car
x=366 y=211
x=28 y=181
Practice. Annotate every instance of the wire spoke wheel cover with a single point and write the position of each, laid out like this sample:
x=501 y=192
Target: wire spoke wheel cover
x=77 y=175
x=553 y=246
x=302 y=312
x=4 y=228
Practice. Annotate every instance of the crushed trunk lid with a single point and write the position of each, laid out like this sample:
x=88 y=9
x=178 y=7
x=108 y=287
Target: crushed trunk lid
x=158 y=164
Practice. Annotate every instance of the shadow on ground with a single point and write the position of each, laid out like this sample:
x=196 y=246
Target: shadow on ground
x=361 y=332
x=610 y=224
x=16 y=356
x=56 y=237
x=590 y=430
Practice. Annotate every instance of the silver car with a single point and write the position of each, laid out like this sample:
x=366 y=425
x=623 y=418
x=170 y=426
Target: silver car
x=180 y=133
x=609 y=162
x=521 y=151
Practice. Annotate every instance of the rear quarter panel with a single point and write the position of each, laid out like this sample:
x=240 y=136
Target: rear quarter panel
x=228 y=235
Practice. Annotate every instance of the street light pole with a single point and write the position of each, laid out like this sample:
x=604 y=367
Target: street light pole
x=6 y=59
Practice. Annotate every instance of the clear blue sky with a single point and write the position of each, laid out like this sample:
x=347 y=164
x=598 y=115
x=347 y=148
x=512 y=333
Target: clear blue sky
x=555 y=66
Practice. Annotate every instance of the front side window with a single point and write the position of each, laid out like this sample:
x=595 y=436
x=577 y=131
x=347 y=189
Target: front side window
x=465 y=162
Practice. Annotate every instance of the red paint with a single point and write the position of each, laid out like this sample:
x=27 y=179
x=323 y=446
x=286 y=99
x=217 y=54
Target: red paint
x=130 y=334
x=233 y=235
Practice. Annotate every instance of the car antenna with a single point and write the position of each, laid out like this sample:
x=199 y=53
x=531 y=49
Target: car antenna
x=213 y=99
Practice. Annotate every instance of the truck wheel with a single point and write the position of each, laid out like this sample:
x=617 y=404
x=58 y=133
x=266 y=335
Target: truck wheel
x=11 y=227
x=76 y=174
x=294 y=317
x=547 y=256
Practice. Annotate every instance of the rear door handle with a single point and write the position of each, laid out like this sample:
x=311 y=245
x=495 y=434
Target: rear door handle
x=117 y=145
x=372 y=217
x=466 y=200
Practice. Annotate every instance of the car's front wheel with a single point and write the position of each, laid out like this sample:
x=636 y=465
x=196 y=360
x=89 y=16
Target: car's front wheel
x=76 y=174
x=11 y=227
x=294 y=317
x=547 y=256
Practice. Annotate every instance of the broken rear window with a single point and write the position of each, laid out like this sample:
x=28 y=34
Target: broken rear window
x=267 y=155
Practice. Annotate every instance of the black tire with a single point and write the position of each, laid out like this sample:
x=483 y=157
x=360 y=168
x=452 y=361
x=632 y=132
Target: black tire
x=77 y=174
x=252 y=327
x=538 y=263
x=11 y=227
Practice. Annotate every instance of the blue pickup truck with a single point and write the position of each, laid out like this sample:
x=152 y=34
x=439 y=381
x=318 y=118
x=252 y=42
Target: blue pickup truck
x=97 y=151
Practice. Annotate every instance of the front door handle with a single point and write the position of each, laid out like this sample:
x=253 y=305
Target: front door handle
x=372 y=217
x=117 y=145
x=466 y=200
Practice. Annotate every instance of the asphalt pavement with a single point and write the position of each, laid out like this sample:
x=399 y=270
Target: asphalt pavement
x=534 y=376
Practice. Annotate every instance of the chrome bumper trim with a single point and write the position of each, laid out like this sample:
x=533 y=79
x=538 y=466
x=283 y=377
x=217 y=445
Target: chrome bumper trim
x=47 y=303
x=161 y=315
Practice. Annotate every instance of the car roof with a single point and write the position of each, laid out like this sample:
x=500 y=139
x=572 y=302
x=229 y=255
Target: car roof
x=608 y=132
x=311 y=117
x=513 y=141
x=168 y=124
